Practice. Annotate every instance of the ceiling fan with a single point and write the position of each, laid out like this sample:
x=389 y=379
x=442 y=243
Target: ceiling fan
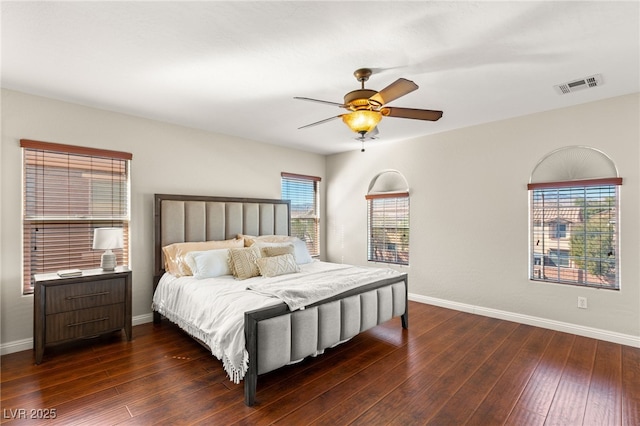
x=367 y=107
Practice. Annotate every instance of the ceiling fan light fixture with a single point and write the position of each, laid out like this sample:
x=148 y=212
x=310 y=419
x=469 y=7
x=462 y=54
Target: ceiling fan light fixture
x=362 y=121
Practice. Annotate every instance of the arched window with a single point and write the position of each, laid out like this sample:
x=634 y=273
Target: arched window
x=574 y=226
x=388 y=218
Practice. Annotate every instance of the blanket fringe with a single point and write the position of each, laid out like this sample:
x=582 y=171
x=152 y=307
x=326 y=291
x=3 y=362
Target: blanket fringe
x=235 y=374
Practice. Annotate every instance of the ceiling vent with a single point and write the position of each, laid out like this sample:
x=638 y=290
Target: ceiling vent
x=581 y=84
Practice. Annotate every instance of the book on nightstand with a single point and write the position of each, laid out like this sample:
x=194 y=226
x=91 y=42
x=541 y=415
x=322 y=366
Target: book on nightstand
x=65 y=273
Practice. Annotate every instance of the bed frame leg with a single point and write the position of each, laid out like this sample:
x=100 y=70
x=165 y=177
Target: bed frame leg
x=250 y=385
x=157 y=318
x=251 y=342
x=405 y=319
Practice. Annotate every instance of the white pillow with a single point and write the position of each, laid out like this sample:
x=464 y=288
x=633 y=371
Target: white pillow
x=209 y=264
x=301 y=252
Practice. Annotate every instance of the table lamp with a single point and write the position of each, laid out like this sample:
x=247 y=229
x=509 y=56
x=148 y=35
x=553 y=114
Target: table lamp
x=108 y=239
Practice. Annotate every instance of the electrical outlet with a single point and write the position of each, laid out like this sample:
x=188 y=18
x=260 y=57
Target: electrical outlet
x=582 y=302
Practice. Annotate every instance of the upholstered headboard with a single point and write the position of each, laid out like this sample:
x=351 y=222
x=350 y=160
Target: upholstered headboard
x=189 y=218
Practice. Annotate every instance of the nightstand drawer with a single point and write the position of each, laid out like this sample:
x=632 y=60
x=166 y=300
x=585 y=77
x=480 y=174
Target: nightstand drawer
x=69 y=297
x=84 y=323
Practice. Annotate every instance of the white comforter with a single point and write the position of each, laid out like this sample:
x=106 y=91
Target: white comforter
x=212 y=309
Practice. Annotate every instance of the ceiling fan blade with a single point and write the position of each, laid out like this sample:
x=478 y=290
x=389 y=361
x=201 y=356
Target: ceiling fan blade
x=320 y=101
x=320 y=122
x=398 y=88
x=416 y=114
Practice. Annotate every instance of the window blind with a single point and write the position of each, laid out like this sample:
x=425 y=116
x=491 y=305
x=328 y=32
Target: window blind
x=574 y=233
x=388 y=226
x=68 y=192
x=303 y=192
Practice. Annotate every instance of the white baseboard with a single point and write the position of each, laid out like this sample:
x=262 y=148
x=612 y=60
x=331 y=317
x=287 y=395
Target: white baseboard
x=26 y=344
x=142 y=319
x=17 y=346
x=595 y=333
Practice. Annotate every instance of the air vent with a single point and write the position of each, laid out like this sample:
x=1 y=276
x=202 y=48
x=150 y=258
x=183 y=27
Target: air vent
x=581 y=84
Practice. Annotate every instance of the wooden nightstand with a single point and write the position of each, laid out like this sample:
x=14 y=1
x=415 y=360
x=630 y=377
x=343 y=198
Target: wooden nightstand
x=66 y=309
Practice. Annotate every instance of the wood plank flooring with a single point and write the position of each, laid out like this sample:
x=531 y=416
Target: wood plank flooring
x=449 y=368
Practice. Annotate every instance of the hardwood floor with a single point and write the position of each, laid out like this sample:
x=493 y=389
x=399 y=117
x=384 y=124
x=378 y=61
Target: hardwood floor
x=449 y=368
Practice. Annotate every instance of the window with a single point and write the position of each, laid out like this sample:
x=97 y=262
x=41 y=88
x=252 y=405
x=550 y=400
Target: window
x=559 y=230
x=574 y=228
x=303 y=192
x=69 y=191
x=559 y=257
x=388 y=228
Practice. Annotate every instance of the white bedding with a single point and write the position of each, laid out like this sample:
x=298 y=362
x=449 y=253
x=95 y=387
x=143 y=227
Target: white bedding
x=212 y=309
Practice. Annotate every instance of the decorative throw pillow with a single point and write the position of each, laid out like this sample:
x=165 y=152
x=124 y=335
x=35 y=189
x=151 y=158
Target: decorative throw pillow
x=250 y=240
x=209 y=264
x=242 y=262
x=277 y=265
x=174 y=254
x=301 y=253
x=275 y=249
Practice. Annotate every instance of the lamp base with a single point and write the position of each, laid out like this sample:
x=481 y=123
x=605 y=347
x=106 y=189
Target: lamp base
x=108 y=261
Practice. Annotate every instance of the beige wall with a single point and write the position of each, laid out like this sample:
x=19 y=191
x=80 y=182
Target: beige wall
x=166 y=159
x=469 y=214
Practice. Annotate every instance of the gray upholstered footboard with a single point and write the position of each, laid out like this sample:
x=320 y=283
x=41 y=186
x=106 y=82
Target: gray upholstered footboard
x=275 y=336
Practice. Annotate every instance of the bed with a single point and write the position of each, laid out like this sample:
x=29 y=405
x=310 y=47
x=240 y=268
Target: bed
x=272 y=321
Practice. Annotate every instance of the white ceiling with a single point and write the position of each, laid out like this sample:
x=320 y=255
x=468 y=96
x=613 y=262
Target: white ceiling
x=234 y=67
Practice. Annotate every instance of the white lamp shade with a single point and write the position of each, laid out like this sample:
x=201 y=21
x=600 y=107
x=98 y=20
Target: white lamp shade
x=107 y=238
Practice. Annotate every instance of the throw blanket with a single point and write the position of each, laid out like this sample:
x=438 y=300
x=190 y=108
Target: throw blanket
x=316 y=286
x=212 y=309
